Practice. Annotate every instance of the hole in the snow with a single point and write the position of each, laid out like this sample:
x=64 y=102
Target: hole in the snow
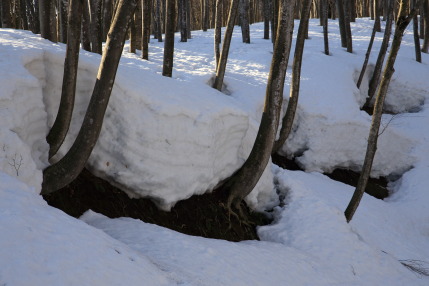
x=202 y=215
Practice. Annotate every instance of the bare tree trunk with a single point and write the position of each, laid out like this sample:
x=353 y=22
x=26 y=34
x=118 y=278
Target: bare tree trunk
x=368 y=52
x=95 y=26
x=425 y=47
x=62 y=13
x=348 y=31
x=243 y=182
x=158 y=21
x=59 y=130
x=266 y=12
x=377 y=15
x=68 y=168
x=182 y=21
x=375 y=79
x=86 y=20
x=133 y=34
x=146 y=28
x=220 y=72
x=244 y=20
x=188 y=19
x=325 y=26
x=167 y=67
x=287 y=121
x=341 y=23
x=401 y=24
x=416 y=34
x=218 y=31
x=6 y=19
x=44 y=14
x=107 y=17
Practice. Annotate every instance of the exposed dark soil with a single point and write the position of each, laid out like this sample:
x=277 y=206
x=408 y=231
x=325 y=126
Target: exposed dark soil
x=375 y=187
x=202 y=215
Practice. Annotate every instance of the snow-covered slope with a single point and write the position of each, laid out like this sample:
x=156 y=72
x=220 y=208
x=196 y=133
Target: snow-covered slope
x=170 y=138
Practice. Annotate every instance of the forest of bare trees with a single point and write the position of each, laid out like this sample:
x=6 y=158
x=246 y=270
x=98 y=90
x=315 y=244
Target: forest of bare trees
x=90 y=23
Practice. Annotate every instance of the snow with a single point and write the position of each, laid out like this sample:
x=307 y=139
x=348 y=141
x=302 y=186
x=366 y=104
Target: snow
x=171 y=138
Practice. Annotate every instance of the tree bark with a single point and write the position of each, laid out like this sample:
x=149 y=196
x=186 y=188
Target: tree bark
x=287 y=121
x=218 y=31
x=325 y=26
x=425 y=47
x=68 y=168
x=348 y=31
x=44 y=14
x=220 y=71
x=244 y=20
x=107 y=17
x=146 y=28
x=86 y=20
x=402 y=22
x=158 y=21
x=375 y=79
x=416 y=35
x=59 y=130
x=95 y=26
x=167 y=67
x=368 y=52
x=6 y=19
x=341 y=23
x=182 y=20
x=62 y=13
x=246 y=178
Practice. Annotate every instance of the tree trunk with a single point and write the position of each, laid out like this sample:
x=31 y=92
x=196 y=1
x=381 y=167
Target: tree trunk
x=188 y=19
x=182 y=21
x=401 y=25
x=348 y=31
x=325 y=26
x=220 y=71
x=167 y=67
x=425 y=47
x=146 y=28
x=244 y=20
x=377 y=15
x=59 y=130
x=68 y=168
x=287 y=121
x=62 y=13
x=95 y=26
x=243 y=182
x=416 y=34
x=341 y=23
x=133 y=34
x=218 y=31
x=375 y=79
x=44 y=14
x=158 y=21
x=368 y=52
x=266 y=13
x=86 y=20
x=107 y=17
x=6 y=19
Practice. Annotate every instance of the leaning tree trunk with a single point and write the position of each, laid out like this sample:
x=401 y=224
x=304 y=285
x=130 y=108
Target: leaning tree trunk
x=167 y=67
x=401 y=24
x=296 y=77
x=368 y=52
x=68 y=168
x=59 y=130
x=246 y=178
x=375 y=79
x=221 y=65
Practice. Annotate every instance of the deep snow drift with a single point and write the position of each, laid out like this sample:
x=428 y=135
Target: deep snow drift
x=171 y=138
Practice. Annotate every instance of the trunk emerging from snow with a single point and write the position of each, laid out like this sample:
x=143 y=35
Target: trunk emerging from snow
x=61 y=125
x=401 y=24
x=68 y=168
x=296 y=78
x=243 y=182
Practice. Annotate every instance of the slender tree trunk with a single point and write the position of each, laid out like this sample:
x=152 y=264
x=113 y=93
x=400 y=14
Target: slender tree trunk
x=368 y=52
x=416 y=34
x=107 y=17
x=266 y=13
x=86 y=19
x=68 y=168
x=6 y=19
x=95 y=26
x=220 y=72
x=133 y=34
x=401 y=24
x=348 y=31
x=23 y=12
x=244 y=20
x=425 y=47
x=158 y=21
x=218 y=31
x=146 y=28
x=325 y=26
x=287 y=121
x=341 y=23
x=377 y=15
x=59 y=130
x=188 y=19
x=62 y=13
x=44 y=14
x=182 y=21
x=246 y=178
x=375 y=79
x=167 y=67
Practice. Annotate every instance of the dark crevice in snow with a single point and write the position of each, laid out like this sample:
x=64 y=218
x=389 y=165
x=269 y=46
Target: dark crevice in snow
x=202 y=215
x=376 y=187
